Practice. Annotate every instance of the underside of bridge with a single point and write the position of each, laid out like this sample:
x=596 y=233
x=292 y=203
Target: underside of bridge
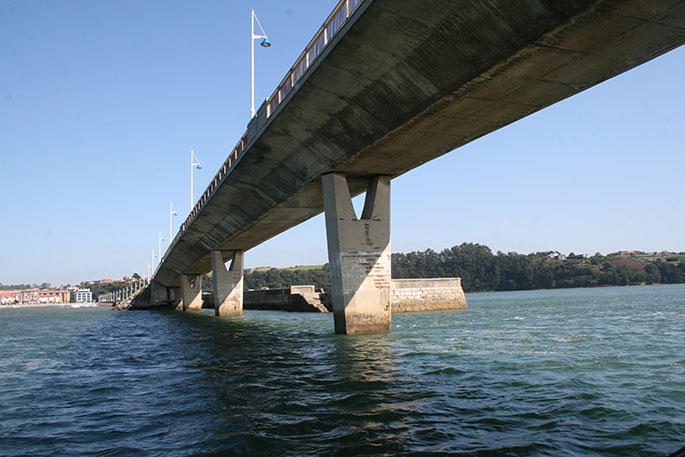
x=404 y=82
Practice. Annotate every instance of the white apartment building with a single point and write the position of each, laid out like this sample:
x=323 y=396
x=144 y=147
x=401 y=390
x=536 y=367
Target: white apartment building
x=84 y=296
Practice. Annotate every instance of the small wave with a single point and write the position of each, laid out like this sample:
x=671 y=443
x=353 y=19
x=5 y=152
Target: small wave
x=570 y=338
x=515 y=318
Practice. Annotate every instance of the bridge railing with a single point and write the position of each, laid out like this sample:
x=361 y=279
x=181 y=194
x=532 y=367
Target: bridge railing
x=331 y=26
x=323 y=36
x=123 y=296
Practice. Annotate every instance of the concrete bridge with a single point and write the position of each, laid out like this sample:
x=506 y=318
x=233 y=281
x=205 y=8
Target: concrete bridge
x=383 y=87
x=122 y=297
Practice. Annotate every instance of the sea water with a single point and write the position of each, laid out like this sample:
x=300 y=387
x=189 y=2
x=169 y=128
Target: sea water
x=576 y=372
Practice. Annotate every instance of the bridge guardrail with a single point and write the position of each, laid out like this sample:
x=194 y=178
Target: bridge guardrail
x=331 y=26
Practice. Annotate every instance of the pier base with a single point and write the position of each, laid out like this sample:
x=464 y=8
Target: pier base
x=159 y=294
x=192 y=293
x=228 y=284
x=359 y=255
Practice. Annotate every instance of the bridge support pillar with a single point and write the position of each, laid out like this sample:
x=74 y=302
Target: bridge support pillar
x=359 y=255
x=159 y=294
x=228 y=284
x=176 y=298
x=192 y=294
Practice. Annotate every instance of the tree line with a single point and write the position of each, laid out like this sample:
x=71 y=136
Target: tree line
x=483 y=270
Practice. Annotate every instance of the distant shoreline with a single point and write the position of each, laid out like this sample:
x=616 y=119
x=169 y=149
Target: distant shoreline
x=603 y=286
x=51 y=305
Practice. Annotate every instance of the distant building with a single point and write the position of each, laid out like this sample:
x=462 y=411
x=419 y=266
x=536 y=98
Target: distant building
x=83 y=296
x=106 y=281
x=53 y=296
x=10 y=296
x=556 y=255
x=624 y=253
x=29 y=296
x=48 y=297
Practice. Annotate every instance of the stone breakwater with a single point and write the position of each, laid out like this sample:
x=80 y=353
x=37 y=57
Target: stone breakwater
x=433 y=294
x=406 y=295
x=293 y=298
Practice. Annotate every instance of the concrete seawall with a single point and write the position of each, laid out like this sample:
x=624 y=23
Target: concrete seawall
x=433 y=294
x=406 y=295
x=293 y=298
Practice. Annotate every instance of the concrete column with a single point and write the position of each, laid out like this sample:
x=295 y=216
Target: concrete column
x=359 y=255
x=176 y=298
x=228 y=284
x=192 y=295
x=159 y=294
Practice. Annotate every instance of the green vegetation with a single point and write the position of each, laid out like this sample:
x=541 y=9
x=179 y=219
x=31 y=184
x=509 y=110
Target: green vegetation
x=285 y=277
x=18 y=286
x=482 y=270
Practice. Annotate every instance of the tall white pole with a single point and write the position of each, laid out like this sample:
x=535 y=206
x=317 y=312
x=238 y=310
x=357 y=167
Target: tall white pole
x=159 y=245
x=252 y=111
x=170 y=214
x=191 y=180
x=153 y=262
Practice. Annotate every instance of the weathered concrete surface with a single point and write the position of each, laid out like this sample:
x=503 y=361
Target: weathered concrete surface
x=228 y=285
x=292 y=299
x=406 y=81
x=433 y=294
x=266 y=299
x=305 y=299
x=192 y=293
x=358 y=255
x=158 y=294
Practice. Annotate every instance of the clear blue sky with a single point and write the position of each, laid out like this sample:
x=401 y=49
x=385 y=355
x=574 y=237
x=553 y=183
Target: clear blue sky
x=101 y=101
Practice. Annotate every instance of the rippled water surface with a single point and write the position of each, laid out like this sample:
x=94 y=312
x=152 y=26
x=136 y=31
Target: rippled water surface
x=584 y=372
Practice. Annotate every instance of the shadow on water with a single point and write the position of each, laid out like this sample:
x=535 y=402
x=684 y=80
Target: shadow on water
x=294 y=388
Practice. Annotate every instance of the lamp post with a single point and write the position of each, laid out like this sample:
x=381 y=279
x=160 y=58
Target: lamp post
x=194 y=162
x=265 y=44
x=172 y=212
x=159 y=246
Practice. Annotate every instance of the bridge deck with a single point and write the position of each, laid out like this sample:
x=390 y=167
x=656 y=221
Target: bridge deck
x=403 y=82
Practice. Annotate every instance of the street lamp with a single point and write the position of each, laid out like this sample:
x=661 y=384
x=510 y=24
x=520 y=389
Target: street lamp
x=194 y=162
x=172 y=212
x=159 y=246
x=265 y=43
